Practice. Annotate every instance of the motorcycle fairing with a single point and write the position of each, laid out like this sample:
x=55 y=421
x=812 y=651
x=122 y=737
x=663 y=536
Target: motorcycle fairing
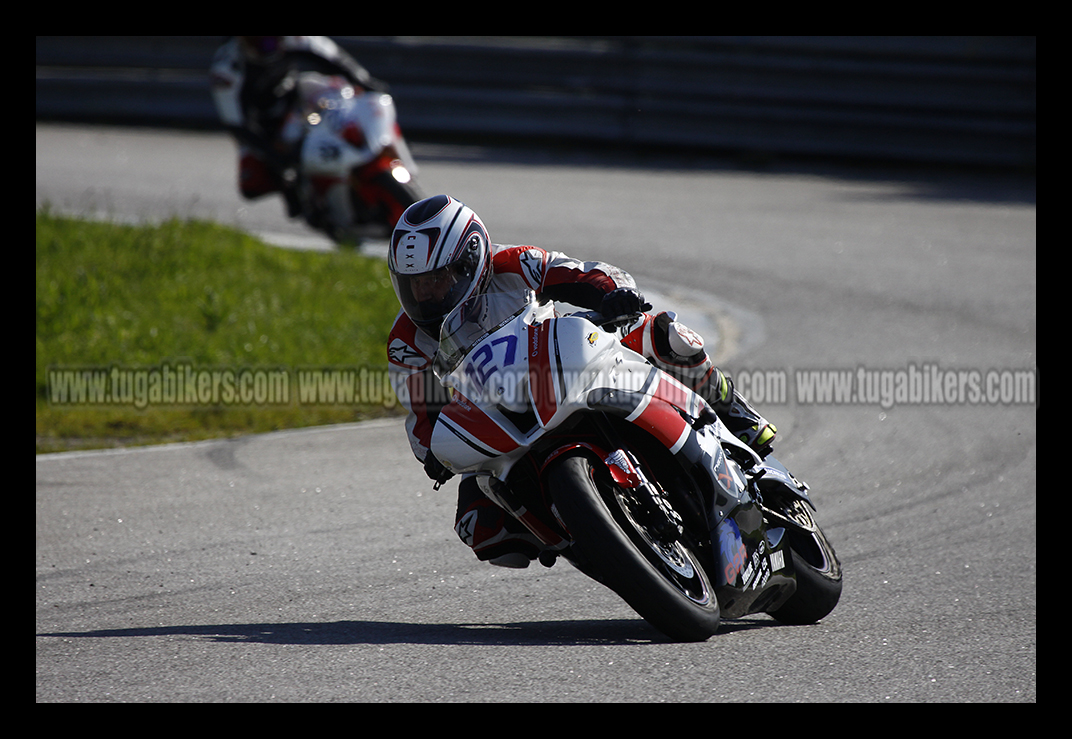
x=560 y=353
x=545 y=381
x=572 y=366
x=731 y=551
x=653 y=400
x=475 y=428
x=752 y=572
x=344 y=138
x=344 y=129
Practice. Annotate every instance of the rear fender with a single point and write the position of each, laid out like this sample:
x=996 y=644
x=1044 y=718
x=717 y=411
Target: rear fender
x=773 y=477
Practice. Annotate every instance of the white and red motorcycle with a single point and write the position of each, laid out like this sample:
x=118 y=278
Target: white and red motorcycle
x=625 y=472
x=355 y=174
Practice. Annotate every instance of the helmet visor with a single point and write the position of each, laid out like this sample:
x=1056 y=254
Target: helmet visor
x=428 y=297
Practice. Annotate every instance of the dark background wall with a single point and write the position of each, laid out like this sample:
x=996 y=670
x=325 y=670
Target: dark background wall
x=918 y=99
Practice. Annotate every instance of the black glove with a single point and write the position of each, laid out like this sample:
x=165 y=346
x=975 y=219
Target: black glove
x=623 y=302
x=435 y=469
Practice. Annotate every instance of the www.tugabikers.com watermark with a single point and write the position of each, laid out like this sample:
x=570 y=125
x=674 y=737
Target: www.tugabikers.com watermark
x=186 y=384
x=915 y=384
x=181 y=383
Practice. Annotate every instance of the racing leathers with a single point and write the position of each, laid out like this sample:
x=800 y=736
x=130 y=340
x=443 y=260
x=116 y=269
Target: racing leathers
x=494 y=535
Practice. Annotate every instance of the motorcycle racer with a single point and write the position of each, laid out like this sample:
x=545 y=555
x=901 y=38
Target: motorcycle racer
x=253 y=88
x=440 y=255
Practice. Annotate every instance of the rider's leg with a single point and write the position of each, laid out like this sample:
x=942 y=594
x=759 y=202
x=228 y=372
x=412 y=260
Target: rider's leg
x=493 y=535
x=679 y=351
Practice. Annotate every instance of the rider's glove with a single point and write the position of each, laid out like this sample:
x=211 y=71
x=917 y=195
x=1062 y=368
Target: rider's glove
x=435 y=469
x=623 y=302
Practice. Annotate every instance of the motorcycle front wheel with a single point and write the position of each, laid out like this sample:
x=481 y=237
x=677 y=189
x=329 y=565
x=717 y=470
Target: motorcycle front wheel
x=663 y=581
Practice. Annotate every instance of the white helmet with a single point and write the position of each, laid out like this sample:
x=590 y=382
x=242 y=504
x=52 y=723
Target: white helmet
x=440 y=255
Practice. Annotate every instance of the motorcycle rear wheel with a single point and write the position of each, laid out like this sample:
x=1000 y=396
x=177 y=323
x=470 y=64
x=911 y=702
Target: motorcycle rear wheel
x=817 y=568
x=662 y=581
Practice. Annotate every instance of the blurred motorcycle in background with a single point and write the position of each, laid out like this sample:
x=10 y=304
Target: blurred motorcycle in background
x=350 y=168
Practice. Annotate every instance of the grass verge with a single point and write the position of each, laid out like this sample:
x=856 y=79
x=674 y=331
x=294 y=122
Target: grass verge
x=186 y=330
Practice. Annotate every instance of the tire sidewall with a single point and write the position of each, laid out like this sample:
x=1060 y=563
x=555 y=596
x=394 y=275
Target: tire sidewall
x=611 y=555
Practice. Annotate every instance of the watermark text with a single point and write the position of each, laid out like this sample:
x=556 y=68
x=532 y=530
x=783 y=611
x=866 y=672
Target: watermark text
x=183 y=383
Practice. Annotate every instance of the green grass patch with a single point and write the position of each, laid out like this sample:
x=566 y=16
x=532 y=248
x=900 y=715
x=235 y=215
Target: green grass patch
x=124 y=312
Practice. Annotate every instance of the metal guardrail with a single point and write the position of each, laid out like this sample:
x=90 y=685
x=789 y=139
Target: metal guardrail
x=966 y=100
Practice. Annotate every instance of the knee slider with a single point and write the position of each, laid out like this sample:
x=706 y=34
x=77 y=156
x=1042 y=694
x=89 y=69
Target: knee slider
x=676 y=342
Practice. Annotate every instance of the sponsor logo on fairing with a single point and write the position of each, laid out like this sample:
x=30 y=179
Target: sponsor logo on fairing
x=777 y=560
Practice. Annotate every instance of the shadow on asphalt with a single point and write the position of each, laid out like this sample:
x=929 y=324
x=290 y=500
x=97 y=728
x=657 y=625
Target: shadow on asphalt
x=581 y=632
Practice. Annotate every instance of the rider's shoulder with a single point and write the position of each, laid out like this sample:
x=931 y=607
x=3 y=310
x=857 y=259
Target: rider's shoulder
x=499 y=251
x=528 y=262
x=407 y=346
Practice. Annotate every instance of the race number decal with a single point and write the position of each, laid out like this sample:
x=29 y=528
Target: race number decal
x=489 y=358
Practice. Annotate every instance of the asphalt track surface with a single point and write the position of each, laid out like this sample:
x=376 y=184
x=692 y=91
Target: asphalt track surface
x=319 y=565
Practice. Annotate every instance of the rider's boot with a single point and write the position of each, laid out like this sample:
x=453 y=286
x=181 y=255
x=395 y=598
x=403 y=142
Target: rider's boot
x=745 y=423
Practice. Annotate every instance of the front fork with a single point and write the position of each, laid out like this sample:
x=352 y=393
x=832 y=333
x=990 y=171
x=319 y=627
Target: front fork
x=646 y=499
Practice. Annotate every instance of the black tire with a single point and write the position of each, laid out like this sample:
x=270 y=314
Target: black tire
x=818 y=572
x=665 y=583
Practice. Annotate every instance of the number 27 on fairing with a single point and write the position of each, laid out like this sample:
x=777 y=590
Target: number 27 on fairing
x=481 y=367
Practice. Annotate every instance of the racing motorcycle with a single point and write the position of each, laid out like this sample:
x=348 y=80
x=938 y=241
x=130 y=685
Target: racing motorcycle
x=625 y=472
x=355 y=174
